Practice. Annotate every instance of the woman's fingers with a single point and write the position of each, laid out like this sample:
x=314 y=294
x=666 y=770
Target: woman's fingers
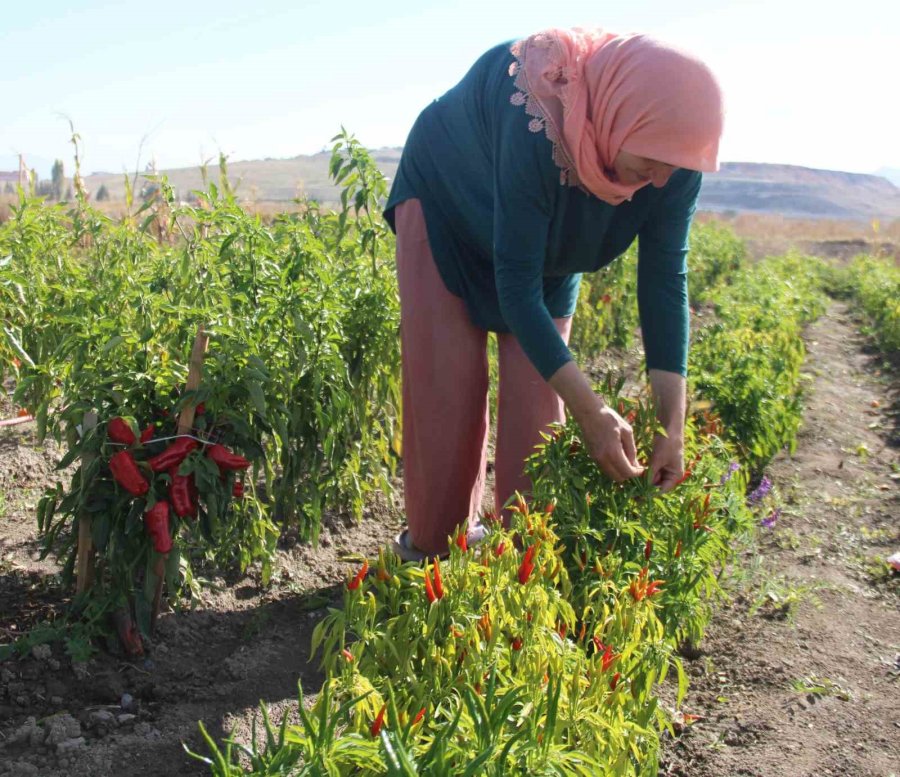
x=627 y=437
x=614 y=462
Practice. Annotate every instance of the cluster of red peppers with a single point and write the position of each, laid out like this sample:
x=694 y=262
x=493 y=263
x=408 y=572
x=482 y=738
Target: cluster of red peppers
x=182 y=490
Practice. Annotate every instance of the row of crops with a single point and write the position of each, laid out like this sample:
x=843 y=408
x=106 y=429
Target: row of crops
x=542 y=650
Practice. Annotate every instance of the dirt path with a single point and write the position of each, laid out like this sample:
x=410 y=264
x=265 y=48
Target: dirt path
x=800 y=675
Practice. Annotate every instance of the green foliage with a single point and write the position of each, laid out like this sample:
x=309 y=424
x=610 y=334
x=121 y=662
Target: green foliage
x=748 y=362
x=875 y=284
x=301 y=375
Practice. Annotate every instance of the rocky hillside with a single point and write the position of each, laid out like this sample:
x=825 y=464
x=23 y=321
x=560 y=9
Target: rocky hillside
x=799 y=192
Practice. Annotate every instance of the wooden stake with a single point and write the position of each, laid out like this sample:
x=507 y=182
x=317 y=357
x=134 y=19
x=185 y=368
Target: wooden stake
x=185 y=422
x=84 y=569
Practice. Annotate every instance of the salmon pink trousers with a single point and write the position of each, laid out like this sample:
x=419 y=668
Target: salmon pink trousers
x=445 y=398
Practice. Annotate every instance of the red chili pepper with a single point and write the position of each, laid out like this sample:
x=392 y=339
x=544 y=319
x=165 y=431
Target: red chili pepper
x=517 y=643
x=379 y=721
x=678 y=549
x=348 y=656
x=173 y=455
x=551 y=506
x=353 y=584
x=527 y=565
x=500 y=548
x=119 y=431
x=562 y=630
x=609 y=658
x=125 y=470
x=462 y=541
x=606 y=299
x=653 y=588
x=419 y=715
x=648 y=549
x=226 y=459
x=237 y=490
x=183 y=501
x=429 y=589
x=156 y=524
x=200 y=409
x=147 y=433
x=615 y=681
x=438 y=583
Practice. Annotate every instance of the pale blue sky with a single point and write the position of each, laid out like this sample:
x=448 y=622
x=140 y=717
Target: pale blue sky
x=809 y=82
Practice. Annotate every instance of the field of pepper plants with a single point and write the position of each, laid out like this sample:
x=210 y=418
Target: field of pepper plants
x=546 y=649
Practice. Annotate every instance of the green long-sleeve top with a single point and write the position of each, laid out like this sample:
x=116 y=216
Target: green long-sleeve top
x=512 y=240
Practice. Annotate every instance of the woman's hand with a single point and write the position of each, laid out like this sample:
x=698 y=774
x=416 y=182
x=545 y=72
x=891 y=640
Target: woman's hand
x=608 y=437
x=667 y=461
x=610 y=441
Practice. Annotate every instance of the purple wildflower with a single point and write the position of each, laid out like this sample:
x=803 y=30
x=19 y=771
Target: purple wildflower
x=769 y=521
x=756 y=496
x=732 y=468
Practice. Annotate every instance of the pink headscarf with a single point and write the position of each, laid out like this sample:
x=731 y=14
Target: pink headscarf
x=596 y=93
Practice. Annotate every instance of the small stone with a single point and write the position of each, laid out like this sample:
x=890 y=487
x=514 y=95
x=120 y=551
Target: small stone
x=56 y=700
x=125 y=719
x=26 y=731
x=69 y=745
x=61 y=727
x=53 y=664
x=127 y=702
x=41 y=652
x=22 y=700
x=102 y=718
x=6 y=676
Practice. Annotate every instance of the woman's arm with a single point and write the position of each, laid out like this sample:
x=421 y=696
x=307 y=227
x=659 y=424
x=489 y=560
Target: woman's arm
x=667 y=460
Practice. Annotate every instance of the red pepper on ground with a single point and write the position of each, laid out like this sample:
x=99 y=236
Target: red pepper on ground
x=156 y=524
x=119 y=431
x=173 y=455
x=125 y=470
x=379 y=721
x=226 y=459
x=181 y=495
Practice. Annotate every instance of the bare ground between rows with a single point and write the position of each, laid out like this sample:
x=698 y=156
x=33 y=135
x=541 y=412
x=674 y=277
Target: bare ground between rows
x=828 y=614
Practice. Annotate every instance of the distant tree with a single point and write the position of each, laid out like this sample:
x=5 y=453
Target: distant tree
x=9 y=188
x=58 y=180
x=45 y=189
x=102 y=193
x=68 y=193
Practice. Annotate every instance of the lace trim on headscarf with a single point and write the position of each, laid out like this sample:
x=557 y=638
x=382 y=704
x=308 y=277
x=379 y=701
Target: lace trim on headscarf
x=523 y=97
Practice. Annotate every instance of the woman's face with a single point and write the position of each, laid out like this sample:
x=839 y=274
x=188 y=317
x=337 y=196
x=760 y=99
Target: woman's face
x=632 y=170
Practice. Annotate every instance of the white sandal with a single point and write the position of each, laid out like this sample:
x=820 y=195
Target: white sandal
x=404 y=548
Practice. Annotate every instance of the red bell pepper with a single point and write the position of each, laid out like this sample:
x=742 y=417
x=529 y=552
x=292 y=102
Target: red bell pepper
x=119 y=431
x=173 y=455
x=180 y=493
x=125 y=470
x=227 y=460
x=156 y=524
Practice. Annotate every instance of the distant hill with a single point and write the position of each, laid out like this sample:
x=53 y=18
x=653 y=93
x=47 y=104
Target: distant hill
x=738 y=187
x=799 y=192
